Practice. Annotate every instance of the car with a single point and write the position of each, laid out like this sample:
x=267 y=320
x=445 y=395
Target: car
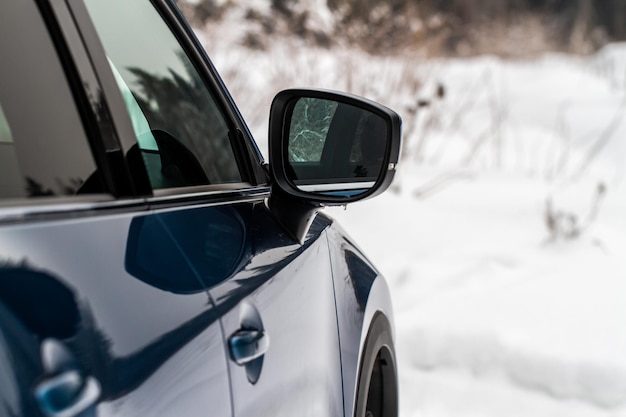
x=151 y=262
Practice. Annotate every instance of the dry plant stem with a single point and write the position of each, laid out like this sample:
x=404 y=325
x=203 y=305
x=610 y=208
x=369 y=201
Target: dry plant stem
x=564 y=133
x=476 y=146
x=458 y=114
x=602 y=141
x=493 y=132
x=498 y=114
x=440 y=182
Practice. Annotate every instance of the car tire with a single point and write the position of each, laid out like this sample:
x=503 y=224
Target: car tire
x=377 y=390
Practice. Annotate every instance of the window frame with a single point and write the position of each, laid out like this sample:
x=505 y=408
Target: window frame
x=249 y=159
x=109 y=131
x=84 y=83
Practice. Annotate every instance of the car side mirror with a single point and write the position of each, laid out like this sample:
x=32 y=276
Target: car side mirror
x=332 y=148
x=328 y=148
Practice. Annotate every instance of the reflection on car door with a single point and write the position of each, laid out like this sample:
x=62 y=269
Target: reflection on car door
x=262 y=280
x=135 y=318
x=19 y=366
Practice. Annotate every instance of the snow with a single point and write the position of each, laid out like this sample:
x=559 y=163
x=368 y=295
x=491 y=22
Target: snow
x=489 y=309
x=502 y=235
x=495 y=314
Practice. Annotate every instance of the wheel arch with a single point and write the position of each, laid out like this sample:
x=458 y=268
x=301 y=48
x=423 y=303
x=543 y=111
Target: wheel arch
x=376 y=387
x=361 y=295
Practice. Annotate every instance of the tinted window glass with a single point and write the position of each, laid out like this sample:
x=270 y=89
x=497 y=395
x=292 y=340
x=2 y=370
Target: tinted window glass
x=43 y=147
x=180 y=129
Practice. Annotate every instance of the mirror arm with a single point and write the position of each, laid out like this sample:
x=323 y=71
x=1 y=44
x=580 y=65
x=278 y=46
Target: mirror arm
x=293 y=214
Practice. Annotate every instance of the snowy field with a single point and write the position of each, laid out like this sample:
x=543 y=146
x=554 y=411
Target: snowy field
x=503 y=236
x=493 y=317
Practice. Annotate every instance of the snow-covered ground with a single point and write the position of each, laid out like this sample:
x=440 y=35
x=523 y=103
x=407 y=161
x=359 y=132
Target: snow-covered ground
x=502 y=238
x=497 y=313
x=493 y=317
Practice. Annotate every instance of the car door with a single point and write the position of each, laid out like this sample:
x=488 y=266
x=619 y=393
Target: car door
x=276 y=302
x=273 y=294
x=91 y=323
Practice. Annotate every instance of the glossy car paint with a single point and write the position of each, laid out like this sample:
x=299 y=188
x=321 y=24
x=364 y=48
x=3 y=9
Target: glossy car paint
x=144 y=336
x=158 y=284
x=290 y=286
x=361 y=292
x=17 y=346
x=154 y=352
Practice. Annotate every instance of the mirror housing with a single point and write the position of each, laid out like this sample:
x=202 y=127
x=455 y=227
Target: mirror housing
x=328 y=149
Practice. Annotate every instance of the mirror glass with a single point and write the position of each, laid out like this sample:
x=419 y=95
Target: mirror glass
x=335 y=148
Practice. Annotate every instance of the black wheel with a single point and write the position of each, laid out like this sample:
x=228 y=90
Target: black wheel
x=377 y=391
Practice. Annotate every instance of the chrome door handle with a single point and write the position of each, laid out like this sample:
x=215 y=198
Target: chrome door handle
x=247 y=345
x=67 y=394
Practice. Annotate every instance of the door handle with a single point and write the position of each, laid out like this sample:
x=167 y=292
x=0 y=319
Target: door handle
x=246 y=345
x=67 y=394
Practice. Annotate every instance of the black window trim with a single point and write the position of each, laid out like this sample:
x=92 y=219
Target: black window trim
x=113 y=106
x=91 y=102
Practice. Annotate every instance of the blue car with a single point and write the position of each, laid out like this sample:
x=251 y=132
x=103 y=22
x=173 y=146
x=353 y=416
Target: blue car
x=151 y=262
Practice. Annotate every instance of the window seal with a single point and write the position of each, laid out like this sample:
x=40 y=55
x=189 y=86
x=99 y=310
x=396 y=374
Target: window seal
x=211 y=194
x=65 y=208
x=69 y=208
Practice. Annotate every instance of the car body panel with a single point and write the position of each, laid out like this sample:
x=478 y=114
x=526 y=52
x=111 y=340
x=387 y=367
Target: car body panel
x=290 y=287
x=136 y=326
x=154 y=352
x=357 y=285
x=17 y=346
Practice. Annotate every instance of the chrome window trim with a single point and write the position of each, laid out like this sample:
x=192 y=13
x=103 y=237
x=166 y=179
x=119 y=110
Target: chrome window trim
x=216 y=196
x=201 y=189
x=56 y=208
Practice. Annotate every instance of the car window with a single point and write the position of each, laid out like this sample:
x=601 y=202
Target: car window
x=5 y=130
x=10 y=175
x=141 y=127
x=44 y=150
x=182 y=134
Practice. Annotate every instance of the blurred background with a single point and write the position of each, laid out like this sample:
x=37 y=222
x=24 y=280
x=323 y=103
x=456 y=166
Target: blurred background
x=502 y=235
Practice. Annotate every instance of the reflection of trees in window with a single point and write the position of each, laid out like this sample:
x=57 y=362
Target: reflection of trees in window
x=5 y=129
x=36 y=189
x=186 y=110
x=309 y=127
